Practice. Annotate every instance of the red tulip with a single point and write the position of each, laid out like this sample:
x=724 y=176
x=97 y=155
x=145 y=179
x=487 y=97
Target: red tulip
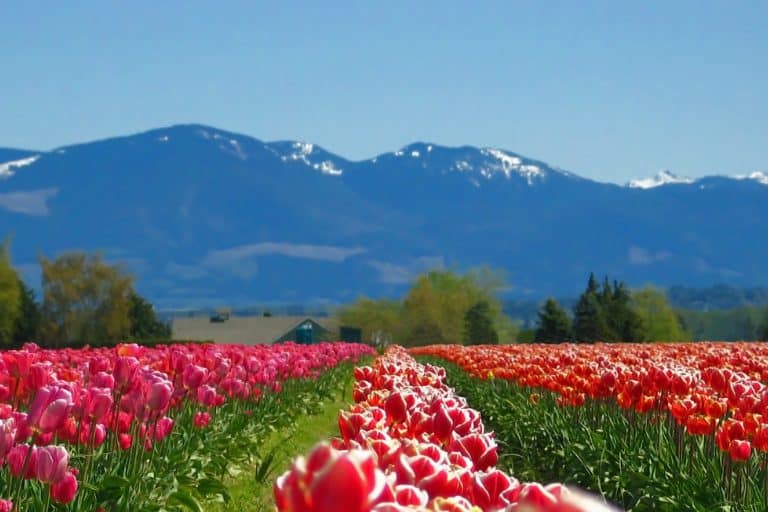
x=64 y=490
x=740 y=450
x=201 y=419
x=331 y=480
x=20 y=456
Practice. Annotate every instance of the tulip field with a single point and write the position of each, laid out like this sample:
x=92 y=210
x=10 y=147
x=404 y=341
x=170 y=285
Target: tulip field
x=648 y=426
x=411 y=443
x=134 y=428
x=516 y=428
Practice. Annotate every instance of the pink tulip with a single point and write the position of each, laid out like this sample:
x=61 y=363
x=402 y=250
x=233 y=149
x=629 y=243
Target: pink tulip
x=6 y=506
x=159 y=395
x=103 y=380
x=51 y=463
x=7 y=437
x=98 y=402
x=126 y=369
x=194 y=376
x=163 y=428
x=50 y=408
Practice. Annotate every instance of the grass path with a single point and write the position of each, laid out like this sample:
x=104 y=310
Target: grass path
x=251 y=487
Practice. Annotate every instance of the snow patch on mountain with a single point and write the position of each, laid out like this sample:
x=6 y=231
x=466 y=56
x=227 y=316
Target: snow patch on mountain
x=661 y=178
x=327 y=167
x=758 y=176
x=462 y=165
x=510 y=164
x=302 y=152
x=7 y=169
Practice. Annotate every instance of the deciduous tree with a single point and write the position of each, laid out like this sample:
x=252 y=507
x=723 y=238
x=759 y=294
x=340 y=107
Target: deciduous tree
x=660 y=321
x=379 y=320
x=10 y=295
x=85 y=300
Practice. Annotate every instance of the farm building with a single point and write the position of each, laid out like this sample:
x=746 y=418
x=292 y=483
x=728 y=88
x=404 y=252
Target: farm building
x=255 y=330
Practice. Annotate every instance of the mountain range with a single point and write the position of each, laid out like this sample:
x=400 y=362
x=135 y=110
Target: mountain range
x=206 y=217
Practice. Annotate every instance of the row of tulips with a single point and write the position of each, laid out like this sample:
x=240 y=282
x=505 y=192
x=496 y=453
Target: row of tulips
x=708 y=397
x=411 y=443
x=98 y=428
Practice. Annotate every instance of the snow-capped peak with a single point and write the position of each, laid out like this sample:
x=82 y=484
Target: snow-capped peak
x=758 y=176
x=663 y=177
x=7 y=168
x=301 y=151
x=509 y=164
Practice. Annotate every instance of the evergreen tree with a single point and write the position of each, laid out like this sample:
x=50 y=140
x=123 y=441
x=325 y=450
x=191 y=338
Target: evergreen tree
x=589 y=324
x=554 y=324
x=623 y=321
x=144 y=322
x=478 y=325
x=592 y=286
x=28 y=322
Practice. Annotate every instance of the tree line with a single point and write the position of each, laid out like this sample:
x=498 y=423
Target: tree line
x=84 y=300
x=442 y=306
x=613 y=313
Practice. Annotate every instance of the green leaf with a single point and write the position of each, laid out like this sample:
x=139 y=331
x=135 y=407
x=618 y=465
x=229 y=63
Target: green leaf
x=182 y=497
x=211 y=486
x=114 y=482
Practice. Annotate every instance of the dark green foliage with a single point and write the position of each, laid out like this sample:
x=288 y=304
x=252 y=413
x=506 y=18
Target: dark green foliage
x=624 y=323
x=606 y=314
x=526 y=336
x=763 y=335
x=554 y=324
x=144 y=322
x=589 y=323
x=746 y=323
x=27 y=328
x=478 y=325
x=592 y=286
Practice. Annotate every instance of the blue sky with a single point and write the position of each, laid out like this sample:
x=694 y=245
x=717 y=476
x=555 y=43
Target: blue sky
x=609 y=90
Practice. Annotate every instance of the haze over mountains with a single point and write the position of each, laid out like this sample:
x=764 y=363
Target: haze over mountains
x=208 y=217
